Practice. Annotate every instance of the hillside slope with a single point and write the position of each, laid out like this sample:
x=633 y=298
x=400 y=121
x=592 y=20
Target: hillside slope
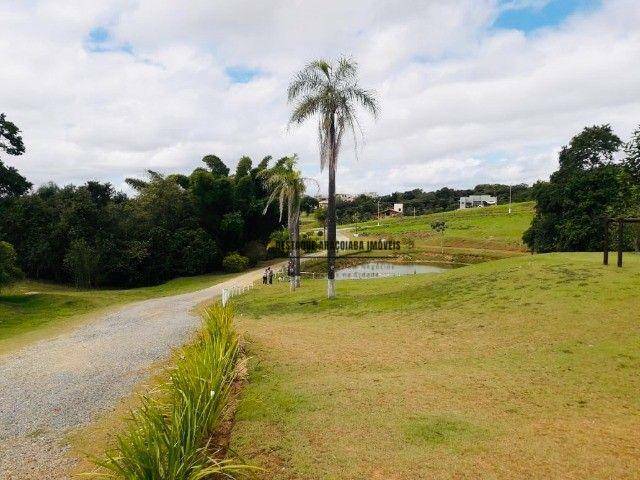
x=471 y=235
x=520 y=368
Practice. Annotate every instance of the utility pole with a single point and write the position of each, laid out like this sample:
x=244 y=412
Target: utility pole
x=509 y=199
x=378 y=212
x=414 y=212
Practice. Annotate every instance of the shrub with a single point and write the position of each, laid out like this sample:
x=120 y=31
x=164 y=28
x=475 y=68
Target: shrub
x=168 y=436
x=278 y=243
x=234 y=262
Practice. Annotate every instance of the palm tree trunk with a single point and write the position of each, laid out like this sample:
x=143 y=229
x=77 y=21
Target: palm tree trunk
x=296 y=253
x=292 y=252
x=331 y=220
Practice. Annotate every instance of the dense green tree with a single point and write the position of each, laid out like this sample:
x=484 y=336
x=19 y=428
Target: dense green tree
x=216 y=165
x=82 y=262
x=197 y=252
x=180 y=179
x=9 y=270
x=588 y=186
x=244 y=167
x=332 y=93
x=175 y=225
x=10 y=138
x=308 y=204
x=232 y=228
x=632 y=169
x=12 y=184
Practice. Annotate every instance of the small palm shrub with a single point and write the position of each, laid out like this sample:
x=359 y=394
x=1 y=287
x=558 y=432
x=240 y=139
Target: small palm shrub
x=234 y=262
x=167 y=437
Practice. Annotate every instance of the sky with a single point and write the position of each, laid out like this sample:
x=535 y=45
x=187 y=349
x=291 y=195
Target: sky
x=470 y=91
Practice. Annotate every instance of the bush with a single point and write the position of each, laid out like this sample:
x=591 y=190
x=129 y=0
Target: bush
x=9 y=271
x=309 y=242
x=255 y=252
x=278 y=244
x=167 y=437
x=234 y=262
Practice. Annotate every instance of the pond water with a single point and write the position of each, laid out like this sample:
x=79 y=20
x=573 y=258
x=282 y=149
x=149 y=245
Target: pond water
x=385 y=269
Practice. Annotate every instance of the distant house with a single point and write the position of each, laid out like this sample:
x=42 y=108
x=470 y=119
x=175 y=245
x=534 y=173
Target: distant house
x=390 y=212
x=340 y=197
x=474 y=201
x=396 y=211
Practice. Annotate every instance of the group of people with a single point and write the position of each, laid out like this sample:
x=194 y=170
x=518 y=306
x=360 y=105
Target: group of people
x=267 y=276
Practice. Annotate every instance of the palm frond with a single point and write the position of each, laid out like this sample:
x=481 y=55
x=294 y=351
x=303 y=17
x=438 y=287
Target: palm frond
x=306 y=108
x=366 y=98
x=137 y=184
x=334 y=95
x=347 y=70
x=155 y=176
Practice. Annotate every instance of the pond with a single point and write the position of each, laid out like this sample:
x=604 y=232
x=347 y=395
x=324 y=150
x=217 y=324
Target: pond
x=385 y=269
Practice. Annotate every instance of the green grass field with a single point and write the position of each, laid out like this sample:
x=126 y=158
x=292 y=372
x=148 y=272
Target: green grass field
x=524 y=367
x=29 y=309
x=471 y=235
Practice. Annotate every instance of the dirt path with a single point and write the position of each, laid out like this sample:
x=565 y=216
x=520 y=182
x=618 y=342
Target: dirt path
x=52 y=386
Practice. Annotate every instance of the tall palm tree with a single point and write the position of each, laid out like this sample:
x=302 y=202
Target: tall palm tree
x=332 y=92
x=287 y=186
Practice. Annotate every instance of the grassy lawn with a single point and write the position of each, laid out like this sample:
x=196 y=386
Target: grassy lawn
x=472 y=235
x=525 y=367
x=30 y=309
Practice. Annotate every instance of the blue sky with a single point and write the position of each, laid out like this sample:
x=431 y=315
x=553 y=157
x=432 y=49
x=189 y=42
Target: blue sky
x=240 y=74
x=531 y=17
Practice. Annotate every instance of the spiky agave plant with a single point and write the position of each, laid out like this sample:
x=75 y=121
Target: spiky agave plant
x=331 y=92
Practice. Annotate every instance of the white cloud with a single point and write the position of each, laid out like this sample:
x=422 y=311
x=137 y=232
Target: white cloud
x=462 y=103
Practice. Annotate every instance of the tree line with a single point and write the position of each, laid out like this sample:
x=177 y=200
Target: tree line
x=176 y=225
x=365 y=207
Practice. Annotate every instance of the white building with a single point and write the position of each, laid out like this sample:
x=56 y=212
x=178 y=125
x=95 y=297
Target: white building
x=398 y=207
x=340 y=197
x=474 y=201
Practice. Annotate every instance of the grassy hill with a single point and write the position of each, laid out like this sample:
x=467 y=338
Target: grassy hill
x=524 y=367
x=471 y=235
x=29 y=308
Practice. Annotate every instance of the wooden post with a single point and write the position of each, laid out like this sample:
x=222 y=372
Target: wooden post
x=620 y=240
x=605 y=259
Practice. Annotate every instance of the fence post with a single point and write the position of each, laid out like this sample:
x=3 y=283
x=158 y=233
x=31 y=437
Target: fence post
x=224 y=297
x=620 y=240
x=605 y=259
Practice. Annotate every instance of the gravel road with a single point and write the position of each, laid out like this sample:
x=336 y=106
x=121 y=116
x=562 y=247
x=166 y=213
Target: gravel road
x=55 y=385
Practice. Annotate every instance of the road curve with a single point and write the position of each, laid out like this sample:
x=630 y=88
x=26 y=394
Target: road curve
x=54 y=385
